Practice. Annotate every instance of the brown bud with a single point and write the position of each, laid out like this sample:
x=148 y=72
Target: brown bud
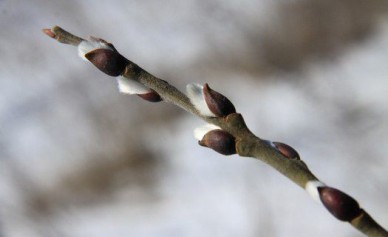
x=339 y=204
x=287 y=150
x=220 y=141
x=108 y=61
x=151 y=96
x=217 y=103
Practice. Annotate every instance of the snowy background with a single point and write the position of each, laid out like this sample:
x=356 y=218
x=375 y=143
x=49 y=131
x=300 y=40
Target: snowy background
x=79 y=159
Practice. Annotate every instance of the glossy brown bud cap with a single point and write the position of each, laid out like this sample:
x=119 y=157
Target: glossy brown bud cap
x=220 y=141
x=151 y=96
x=217 y=103
x=287 y=150
x=339 y=204
x=108 y=61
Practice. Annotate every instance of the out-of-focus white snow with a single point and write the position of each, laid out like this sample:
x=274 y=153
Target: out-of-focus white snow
x=333 y=112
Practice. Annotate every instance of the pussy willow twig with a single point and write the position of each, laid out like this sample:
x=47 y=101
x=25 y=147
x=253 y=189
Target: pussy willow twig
x=231 y=135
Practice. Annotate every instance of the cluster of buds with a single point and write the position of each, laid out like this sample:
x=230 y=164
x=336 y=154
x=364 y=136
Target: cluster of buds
x=339 y=204
x=107 y=59
x=210 y=103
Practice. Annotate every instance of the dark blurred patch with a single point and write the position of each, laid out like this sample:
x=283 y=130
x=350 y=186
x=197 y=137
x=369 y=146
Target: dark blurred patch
x=133 y=169
x=299 y=31
x=318 y=29
x=1 y=229
x=97 y=180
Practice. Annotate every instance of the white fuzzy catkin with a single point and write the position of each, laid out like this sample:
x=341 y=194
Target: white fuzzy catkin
x=200 y=132
x=312 y=189
x=87 y=46
x=129 y=86
x=197 y=98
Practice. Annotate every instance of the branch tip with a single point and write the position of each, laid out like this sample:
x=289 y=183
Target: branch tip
x=62 y=36
x=49 y=33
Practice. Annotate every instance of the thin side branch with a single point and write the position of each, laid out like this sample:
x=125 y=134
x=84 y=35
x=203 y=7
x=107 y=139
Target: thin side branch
x=231 y=134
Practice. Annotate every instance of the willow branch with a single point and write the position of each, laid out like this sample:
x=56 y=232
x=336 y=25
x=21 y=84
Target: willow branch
x=229 y=133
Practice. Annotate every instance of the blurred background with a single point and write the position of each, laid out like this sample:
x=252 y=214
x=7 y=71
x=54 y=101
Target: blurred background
x=77 y=158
